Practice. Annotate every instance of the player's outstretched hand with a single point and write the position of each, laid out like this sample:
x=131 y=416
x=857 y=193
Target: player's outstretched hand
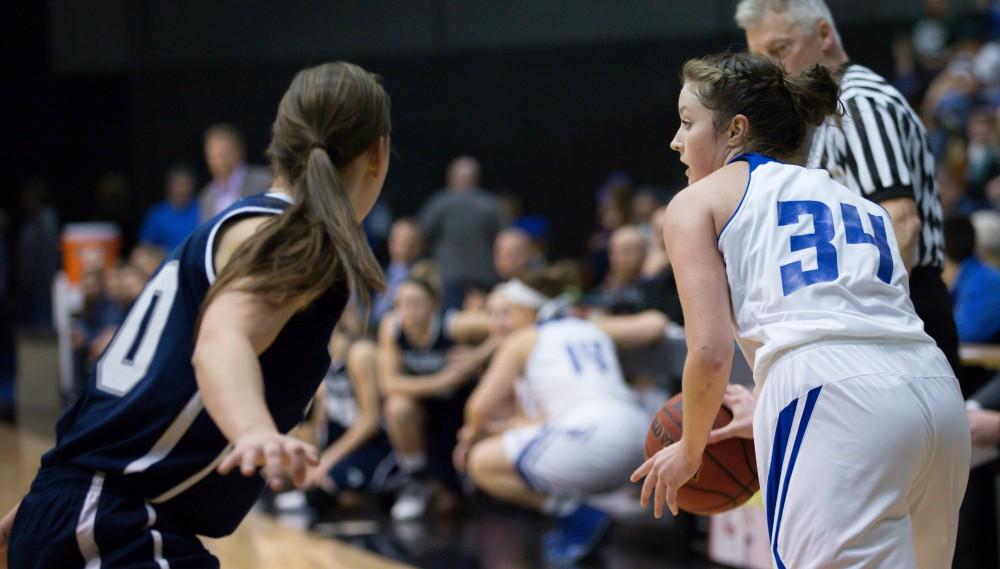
x=277 y=453
x=5 y=528
x=742 y=403
x=665 y=472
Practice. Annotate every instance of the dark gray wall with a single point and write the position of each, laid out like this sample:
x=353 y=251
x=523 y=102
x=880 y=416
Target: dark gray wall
x=120 y=34
x=551 y=96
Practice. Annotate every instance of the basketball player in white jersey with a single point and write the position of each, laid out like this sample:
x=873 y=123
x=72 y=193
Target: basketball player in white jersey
x=860 y=431
x=581 y=429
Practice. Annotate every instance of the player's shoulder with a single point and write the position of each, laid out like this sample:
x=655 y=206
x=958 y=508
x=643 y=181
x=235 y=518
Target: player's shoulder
x=713 y=191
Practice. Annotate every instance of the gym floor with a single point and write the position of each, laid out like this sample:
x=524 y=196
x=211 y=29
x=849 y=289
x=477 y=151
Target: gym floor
x=487 y=535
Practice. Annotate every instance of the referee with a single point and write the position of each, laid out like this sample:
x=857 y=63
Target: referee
x=878 y=148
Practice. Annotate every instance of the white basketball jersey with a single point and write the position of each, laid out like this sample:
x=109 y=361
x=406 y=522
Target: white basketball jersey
x=573 y=362
x=808 y=259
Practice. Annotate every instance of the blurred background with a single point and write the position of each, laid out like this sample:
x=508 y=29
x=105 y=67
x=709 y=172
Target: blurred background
x=126 y=119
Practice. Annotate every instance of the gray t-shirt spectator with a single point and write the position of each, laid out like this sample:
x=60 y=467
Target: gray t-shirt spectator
x=460 y=226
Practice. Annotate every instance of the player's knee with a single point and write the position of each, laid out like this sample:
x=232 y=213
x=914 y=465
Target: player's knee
x=482 y=463
x=400 y=410
x=361 y=353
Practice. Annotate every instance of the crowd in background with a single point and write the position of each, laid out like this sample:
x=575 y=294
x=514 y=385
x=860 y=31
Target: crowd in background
x=949 y=69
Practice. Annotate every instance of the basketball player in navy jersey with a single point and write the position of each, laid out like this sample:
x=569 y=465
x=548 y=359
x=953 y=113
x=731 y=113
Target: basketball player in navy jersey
x=219 y=356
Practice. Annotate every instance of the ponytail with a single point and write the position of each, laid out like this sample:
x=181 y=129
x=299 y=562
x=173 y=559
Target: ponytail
x=814 y=94
x=329 y=116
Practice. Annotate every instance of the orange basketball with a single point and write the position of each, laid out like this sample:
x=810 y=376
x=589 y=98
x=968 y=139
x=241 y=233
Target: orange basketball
x=728 y=475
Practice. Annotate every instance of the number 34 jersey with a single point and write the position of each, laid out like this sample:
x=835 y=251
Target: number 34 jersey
x=141 y=420
x=807 y=259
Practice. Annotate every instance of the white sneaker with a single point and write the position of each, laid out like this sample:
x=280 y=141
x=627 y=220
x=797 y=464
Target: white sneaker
x=412 y=501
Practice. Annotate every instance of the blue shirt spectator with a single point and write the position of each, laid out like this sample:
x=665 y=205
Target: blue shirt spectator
x=406 y=246
x=169 y=222
x=976 y=294
x=974 y=285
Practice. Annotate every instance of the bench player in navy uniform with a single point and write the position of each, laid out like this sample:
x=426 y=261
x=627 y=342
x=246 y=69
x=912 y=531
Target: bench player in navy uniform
x=218 y=358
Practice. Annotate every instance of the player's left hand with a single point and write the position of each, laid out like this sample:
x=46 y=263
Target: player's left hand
x=275 y=452
x=665 y=472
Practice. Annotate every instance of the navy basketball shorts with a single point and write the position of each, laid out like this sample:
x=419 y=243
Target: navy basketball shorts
x=367 y=468
x=74 y=519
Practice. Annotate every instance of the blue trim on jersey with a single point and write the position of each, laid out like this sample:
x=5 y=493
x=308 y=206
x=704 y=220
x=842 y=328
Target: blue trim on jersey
x=781 y=434
x=519 y=463
x=753 y=159
x=803 y=423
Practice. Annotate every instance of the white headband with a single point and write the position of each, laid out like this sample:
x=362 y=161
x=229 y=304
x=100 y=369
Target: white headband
x=522 y=294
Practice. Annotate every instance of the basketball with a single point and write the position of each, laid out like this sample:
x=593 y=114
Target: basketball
x=728 y=475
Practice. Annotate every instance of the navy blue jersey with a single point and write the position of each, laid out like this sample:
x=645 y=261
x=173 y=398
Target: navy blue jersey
x=429 y=359
x=141 y=420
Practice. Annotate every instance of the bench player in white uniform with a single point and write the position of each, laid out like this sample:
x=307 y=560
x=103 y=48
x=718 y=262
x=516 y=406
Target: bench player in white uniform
x=581 y=432
x=861 y=437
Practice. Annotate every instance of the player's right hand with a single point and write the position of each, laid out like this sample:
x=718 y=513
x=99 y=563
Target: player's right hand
x=742 y=403
x=277 y=453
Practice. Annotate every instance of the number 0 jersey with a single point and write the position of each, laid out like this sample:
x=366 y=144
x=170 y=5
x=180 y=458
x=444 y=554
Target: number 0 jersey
x=141 y=420
x=807 y=259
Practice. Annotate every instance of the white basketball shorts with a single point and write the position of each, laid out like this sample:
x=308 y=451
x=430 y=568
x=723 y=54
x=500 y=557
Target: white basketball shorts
x=863 y=456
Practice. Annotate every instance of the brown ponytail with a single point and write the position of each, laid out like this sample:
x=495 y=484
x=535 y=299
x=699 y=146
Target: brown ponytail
x=814 y=94
x=330 y=115
x=733 y=84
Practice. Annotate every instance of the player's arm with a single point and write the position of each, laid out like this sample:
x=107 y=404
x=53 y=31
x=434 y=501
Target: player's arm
x=392 y=380
x=469 y=326
x=906 y=225
x=495 y=388
x=361 y=369
x=235 y=329
x=6 y=525
x=631 y=331
x=689 y=231
x=497 y=383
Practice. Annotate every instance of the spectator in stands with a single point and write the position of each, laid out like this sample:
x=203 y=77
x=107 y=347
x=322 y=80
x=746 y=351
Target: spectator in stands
x=987 y=225
x=460 y=224
x=513 y=252
x=626 y=254
x=169 y=222
x=982 y=160
x=644 y=205
x=425 y=379
x=94 y=325
x=406 y=247
x=614 y=209
x=975 y=286
x=37 y=257
x=232 y=177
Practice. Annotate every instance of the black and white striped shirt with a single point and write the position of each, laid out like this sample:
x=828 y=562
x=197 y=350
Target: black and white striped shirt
x=879 y=149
